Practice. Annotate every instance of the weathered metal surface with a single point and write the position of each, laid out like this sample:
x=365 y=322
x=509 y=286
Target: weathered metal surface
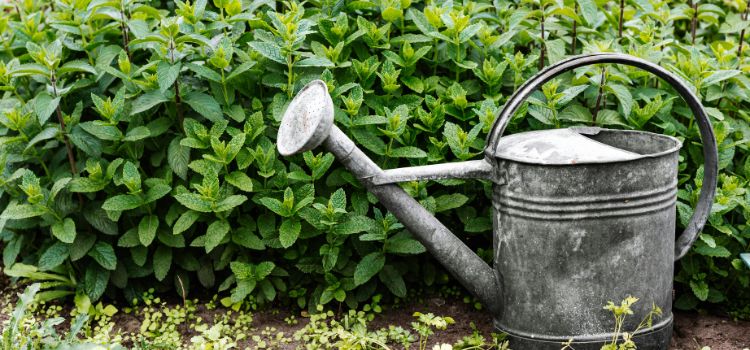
x=313 y=116
x=473 y=169
x=581 y=218
x=571 y=238
x=558 y=147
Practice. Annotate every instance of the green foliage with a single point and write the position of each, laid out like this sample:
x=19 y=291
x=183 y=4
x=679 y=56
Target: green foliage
x=137 y=138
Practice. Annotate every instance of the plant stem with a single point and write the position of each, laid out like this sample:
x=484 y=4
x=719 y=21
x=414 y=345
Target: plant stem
x=694 y=22
x=541 y=43
x=598 y=98
x=575 y=31
x=124 y=29
x=71 y=157
x=742 y=37
x=622 y=16
x=290 y=77
x=177 y=100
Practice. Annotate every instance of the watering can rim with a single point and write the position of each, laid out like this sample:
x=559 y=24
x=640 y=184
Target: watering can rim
x=620 y=156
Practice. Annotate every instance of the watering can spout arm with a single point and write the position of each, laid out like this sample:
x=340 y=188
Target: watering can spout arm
x=472 y=169
x=308 y=123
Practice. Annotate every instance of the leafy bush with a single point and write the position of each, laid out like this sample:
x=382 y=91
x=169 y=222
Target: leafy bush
x=138 y=137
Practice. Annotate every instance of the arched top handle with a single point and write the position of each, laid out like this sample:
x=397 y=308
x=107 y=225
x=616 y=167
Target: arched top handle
x=710 y=151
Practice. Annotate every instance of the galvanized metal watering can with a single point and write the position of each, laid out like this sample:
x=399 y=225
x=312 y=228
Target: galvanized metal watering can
x=581 y=215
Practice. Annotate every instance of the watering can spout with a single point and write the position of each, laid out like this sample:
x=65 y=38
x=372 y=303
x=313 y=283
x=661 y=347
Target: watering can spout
x=308 y=123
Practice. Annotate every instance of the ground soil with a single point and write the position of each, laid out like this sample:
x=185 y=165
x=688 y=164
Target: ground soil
x=692 y=331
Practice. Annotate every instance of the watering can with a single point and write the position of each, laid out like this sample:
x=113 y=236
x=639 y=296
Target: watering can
x=581 y=216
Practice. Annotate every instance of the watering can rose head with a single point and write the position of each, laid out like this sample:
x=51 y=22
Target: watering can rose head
x=581 y=215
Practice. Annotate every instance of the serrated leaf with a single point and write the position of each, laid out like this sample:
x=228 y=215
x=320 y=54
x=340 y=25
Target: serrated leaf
x=700 y=289
x=215 y=234
x=392 y=279
x=166 y=74
x=289 y=232
x=21 y=211
x=147 y=229
x=53 y=256
x=162 y=262
x=230 y=203
x=404 y=245
x=137 y=133
x=122 y=202
x=147 y=101
x=103 y=254
x=186 y=220
x=268 y=50
x=194 y=201
x=368 y=267
x=95 y=282
x=178 y=157
x=65 y=230
x=240 y=180
x=44 y=106
x=205 y=105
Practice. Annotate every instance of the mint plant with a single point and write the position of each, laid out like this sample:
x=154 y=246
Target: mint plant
x=137 y=138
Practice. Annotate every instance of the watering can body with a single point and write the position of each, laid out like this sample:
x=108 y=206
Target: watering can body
x=571 y=236
x=581 y=216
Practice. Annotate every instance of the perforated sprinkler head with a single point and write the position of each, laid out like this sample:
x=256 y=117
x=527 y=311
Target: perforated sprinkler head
x=307 y=121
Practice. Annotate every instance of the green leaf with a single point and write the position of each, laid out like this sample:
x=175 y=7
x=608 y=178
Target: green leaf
x=76 y=66
x=81 y=246
x=166 y=74
x=215 y=234
x=156 y=192
x=263 y=269
x=65 y=230
x=623 y=96
x=205 y=105
x=46 y=134
x=162 y=262
x=589 y=11
x=315 y=62
x=244 y=237
x=147 y=229
x=95 y=282
x=289 y=232
x=716 y=252
x=103 y=254
x=392 y=279
x=178 y=157
x=186 y=220
x=370 y=265
x=54 y=256
x=194 y=201
x=404 y=245
x=408 y=152
x=355 y=224
x=16 y=211
x=97 y=217
x=147 y=101
x=700 y=289
x=122 y=202
x=137 y=133
x=240 y=180
x=102 y=131
x=450 y=201
x=230 y=203
x=719 y=76
x=44 y=106
x=270 y=51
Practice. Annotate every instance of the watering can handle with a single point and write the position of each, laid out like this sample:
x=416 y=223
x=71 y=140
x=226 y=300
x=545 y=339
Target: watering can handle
x=710 y=152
